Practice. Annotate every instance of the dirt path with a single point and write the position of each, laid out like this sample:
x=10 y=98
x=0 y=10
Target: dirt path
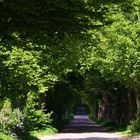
x=82 y=128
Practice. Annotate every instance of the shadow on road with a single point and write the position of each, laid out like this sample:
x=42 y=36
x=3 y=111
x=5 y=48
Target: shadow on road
x=90 y=138
x=82 y=128
x=82 y=124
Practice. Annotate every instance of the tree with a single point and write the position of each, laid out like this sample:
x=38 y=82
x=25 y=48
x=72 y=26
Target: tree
x=115 y=49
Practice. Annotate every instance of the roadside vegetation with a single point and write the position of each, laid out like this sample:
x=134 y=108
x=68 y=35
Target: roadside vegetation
x=55 y=56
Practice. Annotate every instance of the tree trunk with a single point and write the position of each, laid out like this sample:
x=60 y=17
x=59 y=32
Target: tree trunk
x=138 y=103
x=132 y=105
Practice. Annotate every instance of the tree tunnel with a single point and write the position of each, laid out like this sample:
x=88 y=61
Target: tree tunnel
x=103 y=99
x=57 y=55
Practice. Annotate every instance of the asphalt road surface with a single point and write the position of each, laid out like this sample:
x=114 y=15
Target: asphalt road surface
x=82 y=128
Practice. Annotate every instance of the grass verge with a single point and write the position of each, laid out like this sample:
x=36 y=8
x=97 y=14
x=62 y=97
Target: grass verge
x=36 y=134
x=128 y=132
x=42 y=132
x=109 y=125
x=32 y=135
x=5 y=137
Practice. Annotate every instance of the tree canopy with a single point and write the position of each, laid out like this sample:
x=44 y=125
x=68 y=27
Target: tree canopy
x=56 y=52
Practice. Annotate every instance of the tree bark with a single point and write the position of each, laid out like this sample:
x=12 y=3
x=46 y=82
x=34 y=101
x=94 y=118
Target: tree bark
x=132 y=105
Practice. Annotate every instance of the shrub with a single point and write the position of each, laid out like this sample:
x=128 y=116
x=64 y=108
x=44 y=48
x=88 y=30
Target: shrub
x=135 y=125
x=35 y=118
x=9 y=117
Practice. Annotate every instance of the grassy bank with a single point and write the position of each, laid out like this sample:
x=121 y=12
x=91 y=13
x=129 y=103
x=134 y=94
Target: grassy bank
x=111 y=126
x=36 y=134
x=32 y=135
x=5 y=137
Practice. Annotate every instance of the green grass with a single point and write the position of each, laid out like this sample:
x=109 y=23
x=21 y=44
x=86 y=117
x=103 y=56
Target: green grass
x=109 y=125
x=32 y=135
x=128 y=132
x=5 y=137
x=42 y=132
x=52 y=130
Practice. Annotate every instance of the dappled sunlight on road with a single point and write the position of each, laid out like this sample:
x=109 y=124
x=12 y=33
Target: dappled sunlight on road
x=84 y=136
x=82 y=128
x=82 y=124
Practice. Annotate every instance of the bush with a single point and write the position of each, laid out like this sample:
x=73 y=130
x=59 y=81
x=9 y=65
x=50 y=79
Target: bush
x=135 y=125
x=9 y=117
x=35 y=118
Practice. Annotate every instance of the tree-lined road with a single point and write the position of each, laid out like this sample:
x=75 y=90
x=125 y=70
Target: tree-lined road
x=82 y=128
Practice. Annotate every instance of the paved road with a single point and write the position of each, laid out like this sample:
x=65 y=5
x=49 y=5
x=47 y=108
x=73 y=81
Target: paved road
x=82 y=128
